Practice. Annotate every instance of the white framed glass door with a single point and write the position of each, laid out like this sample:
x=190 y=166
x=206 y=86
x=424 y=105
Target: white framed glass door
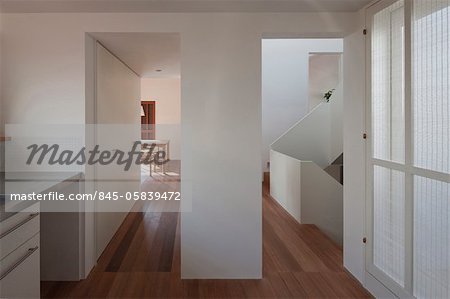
x=408 y=146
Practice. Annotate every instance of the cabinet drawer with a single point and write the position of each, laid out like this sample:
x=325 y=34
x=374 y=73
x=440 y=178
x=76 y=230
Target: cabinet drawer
x=11 y=222
x=20 y=270
x=17 y=230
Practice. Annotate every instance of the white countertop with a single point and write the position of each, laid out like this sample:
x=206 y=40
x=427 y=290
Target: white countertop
x=27 y=183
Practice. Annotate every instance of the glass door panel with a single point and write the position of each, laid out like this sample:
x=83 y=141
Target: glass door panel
x=388 y=99
x=431 y=92
x=431 y=238
x=408 y=177
x=431 y=119
x=389 y=223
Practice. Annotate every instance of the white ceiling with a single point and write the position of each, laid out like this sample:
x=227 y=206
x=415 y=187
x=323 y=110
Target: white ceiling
x=181 y=5
x=145 y=53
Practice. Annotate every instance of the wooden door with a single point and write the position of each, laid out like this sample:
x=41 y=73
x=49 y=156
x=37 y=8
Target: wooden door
x=148 y=120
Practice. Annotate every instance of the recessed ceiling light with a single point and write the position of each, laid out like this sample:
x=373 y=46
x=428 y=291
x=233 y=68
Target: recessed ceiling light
x=158 y=71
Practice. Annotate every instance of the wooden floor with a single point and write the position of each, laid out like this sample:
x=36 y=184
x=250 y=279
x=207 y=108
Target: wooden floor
x=143 y=261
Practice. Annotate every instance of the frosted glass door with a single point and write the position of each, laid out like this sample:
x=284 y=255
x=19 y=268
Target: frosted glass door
x=408 y=148
x=431 y=144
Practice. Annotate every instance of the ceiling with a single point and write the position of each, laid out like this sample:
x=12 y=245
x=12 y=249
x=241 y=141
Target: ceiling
x=145 y=53
x=18 y=6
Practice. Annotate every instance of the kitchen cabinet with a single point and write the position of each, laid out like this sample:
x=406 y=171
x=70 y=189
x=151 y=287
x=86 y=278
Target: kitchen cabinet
x=20 y=255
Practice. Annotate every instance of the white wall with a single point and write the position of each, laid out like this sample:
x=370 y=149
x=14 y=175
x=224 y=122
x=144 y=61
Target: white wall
x=166 y=92
x=354 y=151
x=310 y=138
x=117 y=103
x=337 y=122
x=308 y=193
x=285 y=84
x=90 y=248
x=2 y=122
x=44 y=81
x=322 y=201
x=285 y=183
x=118 y=91
x=324 y=75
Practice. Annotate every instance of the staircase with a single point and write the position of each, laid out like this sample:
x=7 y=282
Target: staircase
x=336 y=169
x=306 y=169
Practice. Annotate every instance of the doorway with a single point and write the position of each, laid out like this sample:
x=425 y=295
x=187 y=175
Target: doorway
x=148 y=114
x=302 y=106
x=132 y=105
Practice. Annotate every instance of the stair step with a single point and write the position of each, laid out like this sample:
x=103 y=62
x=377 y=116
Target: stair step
x=337 y=172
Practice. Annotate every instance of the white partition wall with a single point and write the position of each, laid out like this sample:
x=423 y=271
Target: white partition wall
x=307 y=193
x=354 y=187
x=408 y=151
x=117 y=106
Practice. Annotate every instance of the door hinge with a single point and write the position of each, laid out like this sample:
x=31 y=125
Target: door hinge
x=364 y=136
x=365 y=31
x=364 y=240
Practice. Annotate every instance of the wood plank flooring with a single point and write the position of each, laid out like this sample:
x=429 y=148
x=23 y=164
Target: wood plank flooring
x=143 y=261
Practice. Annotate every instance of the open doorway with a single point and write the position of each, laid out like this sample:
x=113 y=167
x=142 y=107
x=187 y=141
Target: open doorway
x=148 y=118
x=302 y=129
x=137 y=101
x=160 y=125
